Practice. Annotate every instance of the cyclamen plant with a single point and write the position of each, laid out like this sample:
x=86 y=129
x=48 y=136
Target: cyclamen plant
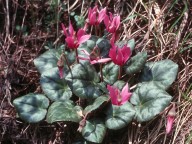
x=107 y=75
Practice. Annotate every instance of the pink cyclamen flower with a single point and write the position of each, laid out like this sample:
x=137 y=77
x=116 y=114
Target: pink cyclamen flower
x=112 y=23
x=72 y=39
x=119 y=55
x=117 y=97
x=170 y=119
x=96 y=17
x=94 y=60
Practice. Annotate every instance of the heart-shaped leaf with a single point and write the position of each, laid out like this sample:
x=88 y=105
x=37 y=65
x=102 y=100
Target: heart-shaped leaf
x=136 y=63
x=55 y=88
x=31 y=107
x=97 y=103
x=63 y=111
x=149 y=100
x=162 y=73
x=94 y=131
x=119 y=116
x=110 y=73
x=83 y=81
x=47 y=60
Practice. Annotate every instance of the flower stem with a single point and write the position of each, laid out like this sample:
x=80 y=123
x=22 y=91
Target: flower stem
x=77 y=59
x=63 y=54
x=120 y=71
x=96 y=32
x=91 y=29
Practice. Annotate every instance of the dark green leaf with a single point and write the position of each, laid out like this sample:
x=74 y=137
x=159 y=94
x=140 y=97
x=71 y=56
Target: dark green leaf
x=84 y=80
x=55 y=88
x=119 y=116
x=31 y=107
x=149 y=100
x=63 y=111
x=119 y=84
x=94 y=131
x=104 y=47
x=162 y=73
x=110 y=73
x=97 y=103
x=47 y=60
x=71 y=57
x=136 y=63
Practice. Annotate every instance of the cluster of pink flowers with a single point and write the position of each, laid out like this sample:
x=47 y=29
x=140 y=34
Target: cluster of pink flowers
x=119 y=55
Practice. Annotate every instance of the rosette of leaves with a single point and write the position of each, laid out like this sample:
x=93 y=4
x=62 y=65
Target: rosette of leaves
x=83 y=80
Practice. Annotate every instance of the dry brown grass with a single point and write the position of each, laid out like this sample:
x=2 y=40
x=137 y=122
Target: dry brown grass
x=163 y=28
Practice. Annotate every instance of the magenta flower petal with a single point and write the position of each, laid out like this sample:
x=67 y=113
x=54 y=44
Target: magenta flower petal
x=126 y=51
x=71 y=30
x=113 y=93
x=119 y=55
x=119 y=98
x=72 y=39
x=102 y=15
x=106 y=21
x=119 y=58
x=112 y=23
x=71 y=42
x=170 y=120
x=112 y=53
x=92 y=15
x=102 y=60
x=116 y=55
x=93 y=18
x=89 y=13
x=96 y=17
x=110 y=16
x=83 y=39
x=80 y=33
x=125 y=94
